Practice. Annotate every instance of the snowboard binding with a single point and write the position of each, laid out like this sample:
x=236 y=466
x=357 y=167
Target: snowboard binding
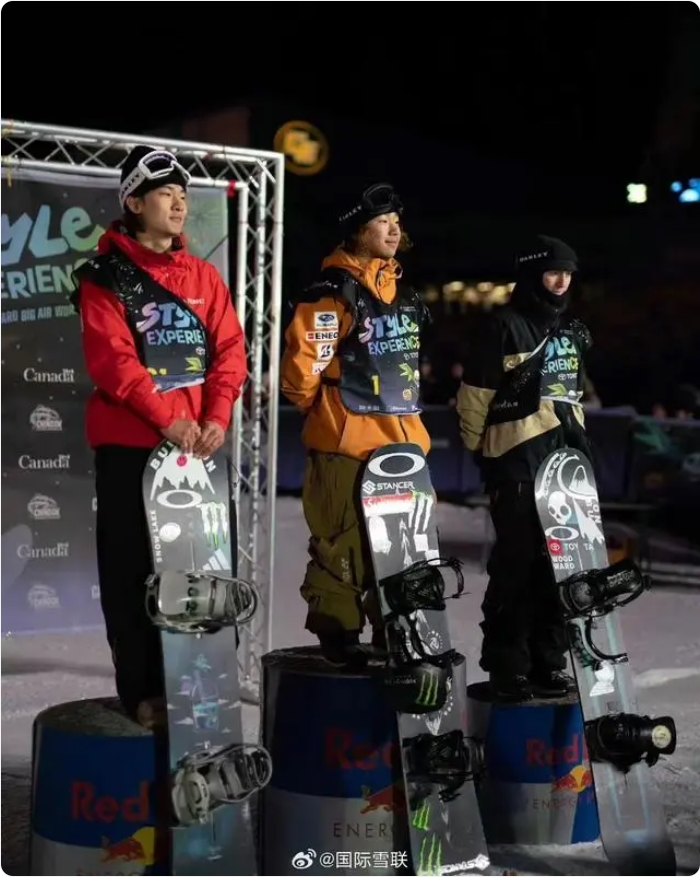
x=443 y=759
x=199 y=602
x=421 y=586
x=209 y=780
x=587 y=652
x=624 y=739
x=418 y=685
x=595 y=593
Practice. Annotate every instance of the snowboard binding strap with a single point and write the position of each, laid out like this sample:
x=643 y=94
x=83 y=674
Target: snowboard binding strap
x=597 y=592
x=587 y=652
x=624 y=739
x=211 y=779
x=441 y=759
x=418 y=686
x=421 y=586
x=199 y=602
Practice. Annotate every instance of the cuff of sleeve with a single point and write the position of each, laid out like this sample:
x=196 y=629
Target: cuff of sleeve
x=220 y=414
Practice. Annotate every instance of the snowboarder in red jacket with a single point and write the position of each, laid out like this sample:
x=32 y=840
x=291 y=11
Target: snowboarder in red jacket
x=166 y=353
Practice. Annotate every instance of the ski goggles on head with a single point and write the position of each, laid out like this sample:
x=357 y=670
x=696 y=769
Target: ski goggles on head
x=376 y=200
x=155 y=166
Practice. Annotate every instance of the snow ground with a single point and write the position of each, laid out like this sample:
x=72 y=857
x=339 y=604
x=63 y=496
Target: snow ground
x=661 y=629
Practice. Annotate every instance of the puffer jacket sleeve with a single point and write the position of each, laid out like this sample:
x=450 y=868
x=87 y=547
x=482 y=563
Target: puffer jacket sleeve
x=483 y=371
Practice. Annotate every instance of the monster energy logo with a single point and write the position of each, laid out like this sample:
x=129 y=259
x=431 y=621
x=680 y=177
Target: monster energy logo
x=215 y=522
x=430 y=861
x=422 y=817
x=428 y=693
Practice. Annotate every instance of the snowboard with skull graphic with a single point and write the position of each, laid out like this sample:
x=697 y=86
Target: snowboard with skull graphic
x=631 y=816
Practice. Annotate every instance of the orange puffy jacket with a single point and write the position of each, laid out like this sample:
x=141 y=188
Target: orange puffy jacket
x=329 y=426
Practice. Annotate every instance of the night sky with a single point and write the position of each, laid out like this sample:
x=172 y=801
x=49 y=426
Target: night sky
x=549 y=83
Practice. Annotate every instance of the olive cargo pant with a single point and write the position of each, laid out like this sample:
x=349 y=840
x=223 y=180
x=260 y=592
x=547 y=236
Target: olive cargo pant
x=338 y=585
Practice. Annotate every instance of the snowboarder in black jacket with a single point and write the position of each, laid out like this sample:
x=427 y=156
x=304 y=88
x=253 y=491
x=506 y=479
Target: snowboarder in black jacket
x=519 y=400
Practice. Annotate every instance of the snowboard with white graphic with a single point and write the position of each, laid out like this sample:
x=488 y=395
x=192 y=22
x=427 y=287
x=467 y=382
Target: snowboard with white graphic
x=192 y=525
x=631 y=816
x=398 y=504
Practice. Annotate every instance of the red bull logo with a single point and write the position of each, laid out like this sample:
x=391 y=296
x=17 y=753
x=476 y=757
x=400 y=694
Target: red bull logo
x=537 y=752
x=390 y=799
x=85 y=804
x=138 y=847
x=578 y=779
x=343 y=750
x=89 y=806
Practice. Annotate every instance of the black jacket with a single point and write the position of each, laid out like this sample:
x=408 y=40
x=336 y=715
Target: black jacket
x=522 y=386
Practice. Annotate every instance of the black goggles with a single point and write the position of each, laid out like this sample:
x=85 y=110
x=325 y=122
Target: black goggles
x=378 y=199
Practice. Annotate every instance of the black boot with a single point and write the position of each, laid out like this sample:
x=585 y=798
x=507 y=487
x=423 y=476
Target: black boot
x=378 y=642
x=342 y=649
x=552 y=683
x=510 y=687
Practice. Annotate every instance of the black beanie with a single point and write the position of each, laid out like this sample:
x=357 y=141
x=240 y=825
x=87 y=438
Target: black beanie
x=162 y=159
x=546 y=254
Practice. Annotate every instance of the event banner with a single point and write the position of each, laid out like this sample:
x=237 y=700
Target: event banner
x=51 y=223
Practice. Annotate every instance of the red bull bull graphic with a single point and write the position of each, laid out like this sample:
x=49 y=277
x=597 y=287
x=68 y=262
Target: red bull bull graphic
x=338 y=783
x=538 y=787
x=93 y=794
x=391 y=799
x=577 y=780
x=138 y=847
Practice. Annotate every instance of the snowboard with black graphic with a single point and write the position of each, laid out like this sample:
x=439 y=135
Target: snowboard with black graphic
x=196 y=603
x=622 y=745
x=424 y=677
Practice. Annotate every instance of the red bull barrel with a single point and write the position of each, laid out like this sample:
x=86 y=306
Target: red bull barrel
x=93 y=801
x=335 y=804
x=537 y=787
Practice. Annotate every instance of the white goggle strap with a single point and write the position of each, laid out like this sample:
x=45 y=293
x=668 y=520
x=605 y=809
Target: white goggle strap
x=142 y=172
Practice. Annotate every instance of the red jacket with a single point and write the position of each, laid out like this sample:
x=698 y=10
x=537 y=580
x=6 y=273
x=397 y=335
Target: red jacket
x=125 y=408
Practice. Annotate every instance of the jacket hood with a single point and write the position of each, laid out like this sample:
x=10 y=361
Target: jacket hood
x=379 y=276
x=117 y=236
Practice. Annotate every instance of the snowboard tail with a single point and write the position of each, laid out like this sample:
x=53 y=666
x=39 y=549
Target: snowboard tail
x=424 y=677
x=622 y=745
x=196 y=601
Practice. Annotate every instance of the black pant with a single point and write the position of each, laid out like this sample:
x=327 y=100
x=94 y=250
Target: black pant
x=523 y=627
x=124 y=563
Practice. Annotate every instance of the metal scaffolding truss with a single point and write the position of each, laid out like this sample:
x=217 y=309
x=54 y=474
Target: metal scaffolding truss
x=255 y=181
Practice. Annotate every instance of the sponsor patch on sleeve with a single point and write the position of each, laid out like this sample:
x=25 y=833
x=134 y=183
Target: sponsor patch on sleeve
x=322 y=336
x=325 y=320
x=324 y=352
